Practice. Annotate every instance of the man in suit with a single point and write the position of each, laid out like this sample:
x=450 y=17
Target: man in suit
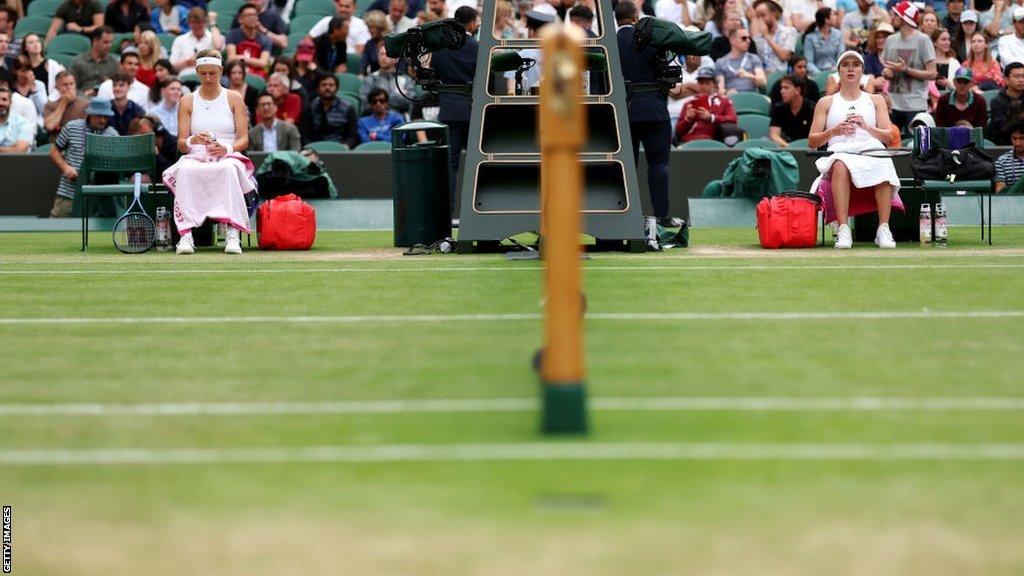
x=271 y=134
x=456 y=67
x=648 y=112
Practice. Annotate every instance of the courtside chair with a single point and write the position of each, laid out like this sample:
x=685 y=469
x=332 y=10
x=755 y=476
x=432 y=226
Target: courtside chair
x=302 y=24
x=327 y=146
x=373 y=146
x=703 y=145
x=349 y=83
x=317 y=7
x=756 y=143
x=33 y=24
x=751 y=103
x=68 y=43
x=46 y=8
x=756 y=125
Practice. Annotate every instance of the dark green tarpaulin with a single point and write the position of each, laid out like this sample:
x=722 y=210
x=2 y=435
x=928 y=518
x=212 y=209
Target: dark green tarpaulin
x=756 y=174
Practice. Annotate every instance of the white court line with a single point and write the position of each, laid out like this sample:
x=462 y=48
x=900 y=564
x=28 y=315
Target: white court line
x=511 y=268
x=533 y=451
x=515 y=317
x=485 y=405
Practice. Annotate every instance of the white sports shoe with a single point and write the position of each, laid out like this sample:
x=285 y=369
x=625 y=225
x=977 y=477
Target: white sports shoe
x=232 y=243
x=186 y=245
x=844 y=240
x=883 y=237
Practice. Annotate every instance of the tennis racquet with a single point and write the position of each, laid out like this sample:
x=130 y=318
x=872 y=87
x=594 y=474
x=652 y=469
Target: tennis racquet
x=872 y=153
x=134 y=231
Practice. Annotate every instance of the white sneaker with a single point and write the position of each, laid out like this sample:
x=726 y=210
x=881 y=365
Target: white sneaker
x=186 y=245
x=232 y=243
x=883 y=237
x=844 y=240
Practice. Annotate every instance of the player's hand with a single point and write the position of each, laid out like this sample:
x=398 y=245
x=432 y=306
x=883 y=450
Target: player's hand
x=216 y=149
x=70 y=173
x=856 y=120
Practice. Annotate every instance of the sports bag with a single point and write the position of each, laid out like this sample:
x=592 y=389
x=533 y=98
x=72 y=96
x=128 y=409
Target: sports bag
x=789 y=220
x=967 y=163
x=286 y=223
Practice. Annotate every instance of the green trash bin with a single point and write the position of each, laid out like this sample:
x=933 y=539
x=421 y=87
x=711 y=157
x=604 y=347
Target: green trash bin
x=420 y=177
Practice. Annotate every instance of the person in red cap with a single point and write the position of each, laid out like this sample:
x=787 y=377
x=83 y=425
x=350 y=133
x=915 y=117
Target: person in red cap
x=909 y=64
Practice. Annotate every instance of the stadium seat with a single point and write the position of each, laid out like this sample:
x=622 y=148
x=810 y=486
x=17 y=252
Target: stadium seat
x=757 y=143
x=327 y=146
x=256 y=83
x=294 y=39
x=190 y=80
x=373 y=146
x=119 y=39
x=349 y=83
x=756 y=125
x=355 y=63
x=166 y=40
x=42 y=149
x=800 y=144
x=32 y=25
x=751 y=103
x=68 y=43
x=224 y=7
x=988 y=144
x=45 y=8
x=318 y=7
x=773 y=79
x=62 y=59
x=224 y=19
x=704 y=145
x=821 y=79
x=990 y=95
x=353 y=100
x=302 y=24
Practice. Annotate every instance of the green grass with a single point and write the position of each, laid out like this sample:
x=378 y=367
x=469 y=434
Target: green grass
x=713 y=516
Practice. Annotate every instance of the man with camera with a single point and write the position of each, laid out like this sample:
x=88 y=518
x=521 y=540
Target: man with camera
x=648 y=110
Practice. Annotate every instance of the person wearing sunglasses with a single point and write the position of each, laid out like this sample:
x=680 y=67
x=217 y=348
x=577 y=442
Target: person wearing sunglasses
x=739 y=70
x=377 y=126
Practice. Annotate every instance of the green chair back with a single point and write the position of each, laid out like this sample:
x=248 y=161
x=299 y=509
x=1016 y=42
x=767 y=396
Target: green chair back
x=751 y=103
x=117 y=155
x=167 y=41
x=64 y=60
x=327 y=146
x=990 y=95
x=43 y=148
x=294 y=39
x=302 y=24
x=703 y=145
x=256 y=83
x=773 y=79
x=318 y=7
x=119 y=40
x=373 y=146
x=821 y=79
x=229 y=7
x=756 y=125
x=44 y=8
x=757 y=143
x=73 y=44
x=349 y=83
x=353 y=100
x=355 y=63
x=190 y=80
x=224 y=19
x=33 y=25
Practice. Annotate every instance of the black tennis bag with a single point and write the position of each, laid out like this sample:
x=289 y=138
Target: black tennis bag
x=967 y=163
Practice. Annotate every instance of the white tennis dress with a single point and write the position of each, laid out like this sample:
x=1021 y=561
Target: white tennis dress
x=866 y=172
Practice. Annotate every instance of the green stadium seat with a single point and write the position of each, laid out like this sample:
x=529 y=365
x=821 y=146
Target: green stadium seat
x=190 y=80
x=988 y=144
x=757 y=143
x=119 y=39
x=704 y=145
x=45 y=8
x=756 y=125
x=33 y=25
x=224 y=6
x=73 y=44
x=353 y=100
x=167 y=40
x=355 y=63
x=302 y=24
x=43 y=149
x=256 y=83
x=373 y=146
x=62 y=59
x=294 y=39
x=349 y=83
x=990 y=95
x=317 y=7
x=773 y=79
x=821 y=79
x=327 y=146
x=224 y=20
x=751 y=103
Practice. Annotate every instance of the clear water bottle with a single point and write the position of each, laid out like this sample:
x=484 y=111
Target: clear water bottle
x=926 y=223
x=163 y=229
x=941 y=225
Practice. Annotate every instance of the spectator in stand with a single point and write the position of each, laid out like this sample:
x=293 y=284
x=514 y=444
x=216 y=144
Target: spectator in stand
x=136 y=41
x=15 y=5
x=702 y=117
x=67 y=107
x=961 y=39
x=6 y=76
x=962 y=104
x=168 y=18
x=773 y=40
x=682 y=12
x=873 y=56
x=720 y=45
x=197 y=39
x=717 y=25
x=25 y=84
x=68 y=151
x=16 y=134
x=124 y=109
x=437 y=8
x=1010 y=165
x=248 y=44
x=377 y=126
x=800 y=14
x=148 y=125
x=792 y=119
x=823 y=46
x=305 y=65
x=1011 y=46
x=398 y=86
x=78 y=16
x=739 y=71
x=857 y=24
x=988 y=75
x=164 y=71
x=270 y=134
x=929 y=21
x=688 y=87
x=909 y=60
x=946 y=63
x=137 y=92
x=331 y=117
x=93 y=67
x=358 y=32
x=270 y=23
x=331 y=47
x=286 y=66
x=8 y=21
x=234 y=70
x=289 y=106
x=998 y=19
x=398 y=19
x=190 y=4
x=1005 y=108
x=149 y=55
x=954 y=11
x=23 y=107
x=377 y=23
x=45 y=69
x=167 y=109
x=123 y=15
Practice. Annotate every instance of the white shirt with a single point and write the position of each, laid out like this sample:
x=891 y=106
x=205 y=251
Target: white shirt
x=672 y=11
x=137 y=92
x=404 y=24
x=25 y=108
x=805 y=8
x=270 y=137
x=168 y=116
x=188 y=45
x=358 y=33
x=453 y=5
x=1011 y=49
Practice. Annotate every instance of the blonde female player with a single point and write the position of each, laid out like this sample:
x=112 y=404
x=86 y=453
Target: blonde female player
x=849 y=122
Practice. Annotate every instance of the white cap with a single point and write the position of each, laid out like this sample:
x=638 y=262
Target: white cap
x=1018 y=13
x=848 y=54
x=923 y=118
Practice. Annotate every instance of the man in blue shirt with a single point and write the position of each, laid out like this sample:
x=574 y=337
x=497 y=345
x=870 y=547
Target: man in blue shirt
x=377 y=126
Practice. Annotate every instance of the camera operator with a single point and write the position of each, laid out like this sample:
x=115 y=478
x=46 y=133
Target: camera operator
x=457 y=67
x=648 y=111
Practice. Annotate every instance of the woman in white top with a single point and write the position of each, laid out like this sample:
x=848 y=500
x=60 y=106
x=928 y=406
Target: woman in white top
x=45 y=69
x=210 y=181
x=852 y=120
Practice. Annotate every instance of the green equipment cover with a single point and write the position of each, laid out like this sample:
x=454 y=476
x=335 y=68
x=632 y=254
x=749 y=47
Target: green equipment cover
x=756 y=174
x=290 y=171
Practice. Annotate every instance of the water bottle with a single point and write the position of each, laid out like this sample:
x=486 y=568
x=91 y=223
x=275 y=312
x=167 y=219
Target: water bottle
x=941 y=225
x=651 y=232
x=926 y=223
x=163 y=229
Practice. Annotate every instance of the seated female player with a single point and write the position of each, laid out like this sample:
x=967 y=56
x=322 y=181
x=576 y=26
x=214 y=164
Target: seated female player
x=212 y=178
x=849 y=121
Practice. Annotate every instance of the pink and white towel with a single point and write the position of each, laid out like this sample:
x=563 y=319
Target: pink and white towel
x=214 y=188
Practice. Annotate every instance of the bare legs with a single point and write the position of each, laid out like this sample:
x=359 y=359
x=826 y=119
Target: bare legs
x=841 y=192
x=883 y=199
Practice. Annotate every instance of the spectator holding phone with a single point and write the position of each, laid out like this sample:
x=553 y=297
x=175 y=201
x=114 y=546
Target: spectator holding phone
x=708 y=116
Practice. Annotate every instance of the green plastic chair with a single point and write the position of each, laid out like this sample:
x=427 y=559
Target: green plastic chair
x=225 y=7
x=821 y=79
x=751 y=103
x=67 y=43
x=294 y=39
x=64 y=60
x=757 y=143
x=43 y=149
x=703 y=145
x=756 y=125
x=302 y=24
x=167 y=41
x=318 y=7
x=799 y=144
x=990 y=95
x=327 y=146
x=349 y=83
x=111 y=155
x=773 y=79
x=353 y=100
x=33 y=25
x=190 y=80
x=256 y=83
x=355 y=63
x=224 y=19
x=45 y=8
x=119 y=39
x=373 y=146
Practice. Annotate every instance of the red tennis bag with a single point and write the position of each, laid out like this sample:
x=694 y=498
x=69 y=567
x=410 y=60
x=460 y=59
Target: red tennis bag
x=789 y=220
x=286 y=223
